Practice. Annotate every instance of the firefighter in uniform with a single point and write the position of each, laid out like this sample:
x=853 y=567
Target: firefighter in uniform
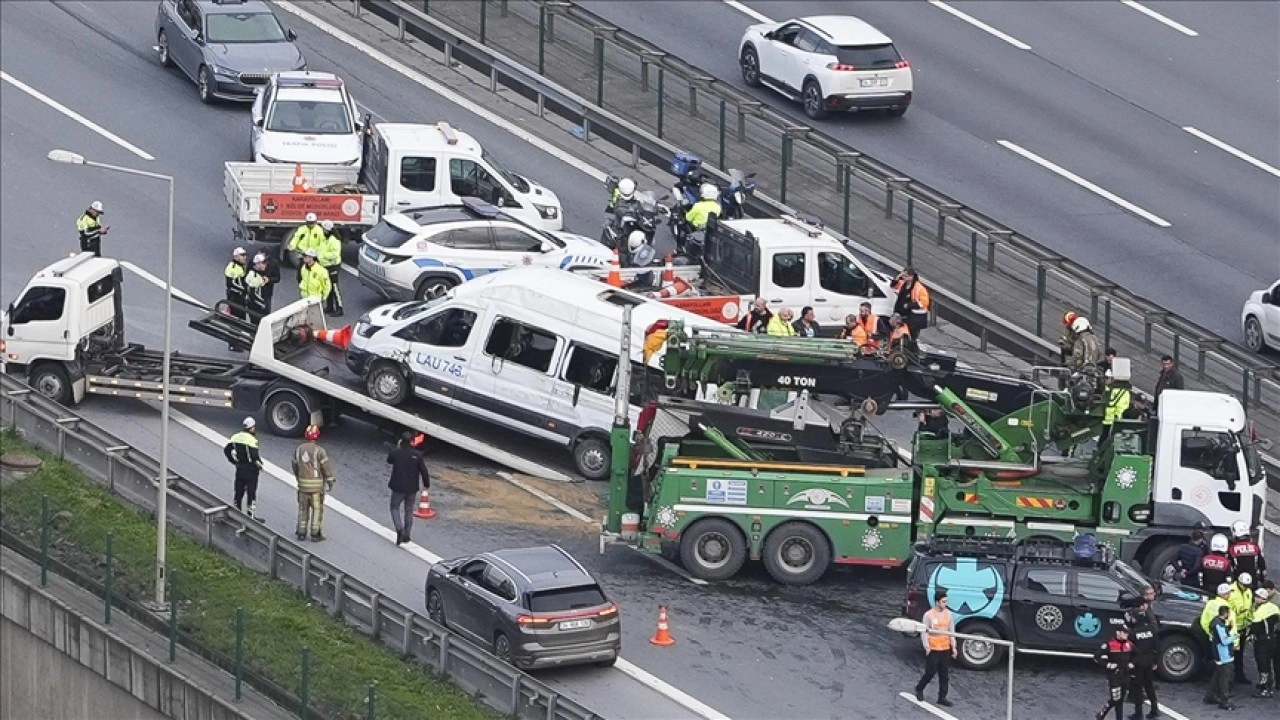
x=241 y=450
x=1246 y=554
x=1068 y=339
x=91 y=229
x=1241 y=601
x=1215 y=566
x=308 y=236
x=1146 y=628
x=330 y=256
x=313 y=280
x=1116 y=656
x=314 y=475
x=1265 y=630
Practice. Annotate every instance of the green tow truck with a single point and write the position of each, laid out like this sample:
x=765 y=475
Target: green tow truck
x=713 y=478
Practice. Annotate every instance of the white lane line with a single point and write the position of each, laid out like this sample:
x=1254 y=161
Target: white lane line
x=1091 y=187
x=75 y=116
x=758 y=16
x=1171 y=712
x=981 y=26
x=350 y=270
x=679 y=696
x=1233 y=151
x=160 y=283
x=926 y=706
x=547 y=498
x=1160 y=18
x=445 y=92
x=1271 y=527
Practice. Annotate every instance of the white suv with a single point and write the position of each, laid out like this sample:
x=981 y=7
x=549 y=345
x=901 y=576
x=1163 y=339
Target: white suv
x=830 y=63
x=1260 y=319
x=419 y=254
x=305 y=117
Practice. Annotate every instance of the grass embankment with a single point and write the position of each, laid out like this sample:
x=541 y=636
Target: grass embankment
x=278 y=621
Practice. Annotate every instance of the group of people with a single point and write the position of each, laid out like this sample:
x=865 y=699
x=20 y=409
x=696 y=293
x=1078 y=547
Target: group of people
x=1130 y=659
x=251 y=285
x=314 y=476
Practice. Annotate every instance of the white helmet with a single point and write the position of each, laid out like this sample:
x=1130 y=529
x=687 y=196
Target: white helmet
x=709 y=192
x=626 y=188
x=1224 y=589
x=311 y=217
x=1239 y=530
x=260 y=258
x=1218 y=543
x=636 y=240
x=1080 y=325
x=311 y=253
x=96 y=205
x=1245 y=579
x=249 y=423
x=238 y=252
x=327 y=225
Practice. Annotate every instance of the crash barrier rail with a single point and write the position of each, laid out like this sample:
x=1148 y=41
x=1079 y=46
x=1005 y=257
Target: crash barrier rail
x=637 y=89
x=133 y=476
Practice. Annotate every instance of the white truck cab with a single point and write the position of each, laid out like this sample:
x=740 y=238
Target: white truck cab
x=419 y=166
x=305 y=117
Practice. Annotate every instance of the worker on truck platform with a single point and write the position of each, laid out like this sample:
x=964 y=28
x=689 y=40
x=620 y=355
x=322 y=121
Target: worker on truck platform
x=899 y=332
x=313 y=279
x=757 y=318
x=780 y=324
x=314 y=475
x=913 y=301
x=1118 y=397
x=308 y=236
x=864 y=329
x=1068 y=338
x=329 y=254
x=1085 y=351
x=91 y=228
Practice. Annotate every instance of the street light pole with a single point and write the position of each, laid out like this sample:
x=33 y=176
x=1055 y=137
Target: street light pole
x=162 y=486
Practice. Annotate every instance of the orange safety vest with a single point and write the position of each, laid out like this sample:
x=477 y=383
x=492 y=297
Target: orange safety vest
x=919 y=294
x=899 y=334
x=939 y=621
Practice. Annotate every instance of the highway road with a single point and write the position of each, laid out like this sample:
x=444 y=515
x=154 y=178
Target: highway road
x=1100 y=89
x=745 y=649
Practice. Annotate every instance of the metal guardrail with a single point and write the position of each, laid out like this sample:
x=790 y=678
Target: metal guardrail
x=979 y=242
x=132 y=475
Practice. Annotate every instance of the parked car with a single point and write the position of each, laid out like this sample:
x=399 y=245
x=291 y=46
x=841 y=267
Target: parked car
x=533 y=607
x=829 y=63
x=228 y=47
x=1260 y=319
x=1048 y=601
x=305 y=117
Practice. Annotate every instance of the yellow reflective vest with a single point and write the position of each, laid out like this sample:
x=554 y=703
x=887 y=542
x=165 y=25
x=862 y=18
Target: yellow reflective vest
x=779 y=327
x=314 y=281
x=1241 y=602
x=307 y=238
x=329 y=252
x=700 y=211
x=1117 y=404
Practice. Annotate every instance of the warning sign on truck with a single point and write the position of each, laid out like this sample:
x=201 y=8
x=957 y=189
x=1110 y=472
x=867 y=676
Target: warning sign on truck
x=295 y=206
x=725 y=308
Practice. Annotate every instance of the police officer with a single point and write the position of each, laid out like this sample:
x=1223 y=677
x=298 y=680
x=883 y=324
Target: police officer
x=622 y=199
x=313 y=280
x=1240 y=598
x=1215 y=566
x=234 y=275
x=640 y=253
x=241 y=450
x=1146 y=629
x=329 y=254
x=314 y=475
x=308 y=236
x=91 y=228
x=1265 y=630
x=1245 y=554
x=1116 y=657
x=258 y=288
x=700 y=212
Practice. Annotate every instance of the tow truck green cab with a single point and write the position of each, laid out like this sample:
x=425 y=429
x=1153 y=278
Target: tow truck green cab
x=803 y=486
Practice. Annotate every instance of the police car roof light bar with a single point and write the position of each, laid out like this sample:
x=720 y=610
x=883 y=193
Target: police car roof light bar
x=312 y=82
x=450 y=136
x=480 y=208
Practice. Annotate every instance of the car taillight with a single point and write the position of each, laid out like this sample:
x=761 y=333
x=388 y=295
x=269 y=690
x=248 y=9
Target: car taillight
x=839 y=66
x=902 y=64
x=609 y=611
x=531 y=621
x=914 y=599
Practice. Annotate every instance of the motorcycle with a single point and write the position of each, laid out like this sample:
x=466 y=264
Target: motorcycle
x=687 y=167
x=645 y=214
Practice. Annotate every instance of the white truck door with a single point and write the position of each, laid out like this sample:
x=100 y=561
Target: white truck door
x=511 y=380
x=1195 y=473
x=843 y=284
x=414 y=181
x=39 y=326
x=784 y=281
x=438 y=348
x=583 y=389
x=472 y=178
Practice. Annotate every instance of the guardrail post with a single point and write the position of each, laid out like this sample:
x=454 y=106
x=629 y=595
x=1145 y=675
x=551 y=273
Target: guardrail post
x=1177 y=347
x=400 y=28
x=1244 y=393
x=1042 y=281
x=109 y=585
x=911 y=228
x=375 y=615
x=355 y=7
x=238 y=668
x=339 y=594
x=742 y=117
x=371 y=701
x=484 y=20
x=973 y=266
x=994 y=238
x=844 y=228
x=786 y=160
x=174 y=601
x=426 y=6
x=1202 y=350
x=1106 y=323
x=892 y=185
x=44 y=540
x=273 y=557
x=552 y=701
x=661 y=100
x=542 y=41
x=515 y=694
x=304 y=694
x=599 y=43
x=551 y=27
x=945 y=210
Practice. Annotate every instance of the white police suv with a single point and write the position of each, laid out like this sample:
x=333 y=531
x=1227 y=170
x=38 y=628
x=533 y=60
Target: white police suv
x=305 y=117
x=418 y=254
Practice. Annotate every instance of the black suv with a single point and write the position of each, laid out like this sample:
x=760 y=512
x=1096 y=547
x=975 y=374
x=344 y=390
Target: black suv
x=1043 y=597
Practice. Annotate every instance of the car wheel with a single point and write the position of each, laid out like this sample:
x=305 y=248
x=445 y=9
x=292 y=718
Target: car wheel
x=979 y=654
x=286 y=414
x=796 y=553
x=1178 y=660
x=202 y=86
x=750 y=63
x=812 y=97
x=433 y=287
x=1162 y=562
x=502 y=648
x=52 y=381
x=387 y=384
x=713 y=549
x=608 y=663
x=591 y=458
x=162 y=49
x=435 y=607
x=1253 y=338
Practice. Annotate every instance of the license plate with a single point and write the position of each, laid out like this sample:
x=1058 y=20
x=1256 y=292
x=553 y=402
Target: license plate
x=371 y=253
x=574 y=624
x=874 y=82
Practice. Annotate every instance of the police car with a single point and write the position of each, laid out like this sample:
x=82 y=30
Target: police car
x=305 y=117
x=1050 y=598
x=419 y=254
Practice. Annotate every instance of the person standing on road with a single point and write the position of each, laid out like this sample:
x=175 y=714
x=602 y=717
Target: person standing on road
x=314 y=474
x=329 y=254
x=1265 y=630
x=308 y=236
x=91 y=229
x=1116 y=656
x=1187 y=564
x=258 y=288
x=241 y=450
x=913 y=301
x=1170 y=377
x=1146 y=648
x=1241 y=601
x=313 y=279
x=939 y=649
x=1245 y=553
x=234 y=276
x=1221 y=640
x=1215 y=566
x=408 y=474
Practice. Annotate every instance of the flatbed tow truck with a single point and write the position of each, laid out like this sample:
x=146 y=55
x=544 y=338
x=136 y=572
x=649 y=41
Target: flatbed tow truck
x=802 y=486
x=66 y=332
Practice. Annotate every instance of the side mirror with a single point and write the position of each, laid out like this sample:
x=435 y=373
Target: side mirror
x=1127 y=598
x=769 y=35
x=258 y=122
x=199 y=38
x=547 y=247
x=290 y=35
x=1266 y=298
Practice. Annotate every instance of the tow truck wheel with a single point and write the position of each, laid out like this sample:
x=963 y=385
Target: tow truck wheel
x=797 y=553
x=713 y=549
x=1161 y=563
x=976 y=654
x=52 y=381
x=286 y=414
x=1179 y=659
x=387 y=384
x=898 y=360
x=591 y=458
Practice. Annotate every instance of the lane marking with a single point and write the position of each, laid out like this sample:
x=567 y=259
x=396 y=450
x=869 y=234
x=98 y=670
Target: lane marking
x=1168 y=711
x=927 y=706
x=445 y=92
x=75 y=116
x=1271 y=527
x=667 y=565
x=748 y=11
x=1091 y=187
x=1160 y=18
x=1233 y=151
x=160 y=284
x=547 y=498
x=981 y=26
x=661 y=686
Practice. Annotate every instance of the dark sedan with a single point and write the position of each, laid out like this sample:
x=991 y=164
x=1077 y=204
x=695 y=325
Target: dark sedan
x=533 y=607
x=228 y=47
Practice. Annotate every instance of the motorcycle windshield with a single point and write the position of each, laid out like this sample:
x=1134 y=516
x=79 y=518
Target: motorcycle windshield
x=647 y=201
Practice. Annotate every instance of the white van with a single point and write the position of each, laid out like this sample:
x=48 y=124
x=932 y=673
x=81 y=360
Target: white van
x=413 y=165
x=532 y=349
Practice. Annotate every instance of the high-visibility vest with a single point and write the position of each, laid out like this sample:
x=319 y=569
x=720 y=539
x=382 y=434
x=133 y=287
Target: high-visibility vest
x=329 y=251
x=939 y=621
x=307 y=238
x=900 y=333
x=779 y=327
x=1117 y=404
x=1211 y=611
x=919 y=295
x=314 y=282
x=700 y=211
x=89 y=226
x=1241 y=601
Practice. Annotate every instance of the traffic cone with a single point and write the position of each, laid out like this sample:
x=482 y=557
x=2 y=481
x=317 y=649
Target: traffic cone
x=299 y=180
x=338 y=338
x=669 y=271
x=615 y=271
x=663 y=635
x=424 y=510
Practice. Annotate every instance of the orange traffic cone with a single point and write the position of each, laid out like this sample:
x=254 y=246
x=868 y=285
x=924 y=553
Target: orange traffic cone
x=424 y=510
x=663 y=635
x=615 y=271
x=668 y=271
x=338 y=338
x=300 y=182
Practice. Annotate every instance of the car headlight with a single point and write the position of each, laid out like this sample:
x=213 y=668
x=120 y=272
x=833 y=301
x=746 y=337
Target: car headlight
x=548 y=212
x=223 y=70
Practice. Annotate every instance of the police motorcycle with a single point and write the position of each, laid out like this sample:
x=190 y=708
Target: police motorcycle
x=630 y=211
x=690 y=177
x=690 y=240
